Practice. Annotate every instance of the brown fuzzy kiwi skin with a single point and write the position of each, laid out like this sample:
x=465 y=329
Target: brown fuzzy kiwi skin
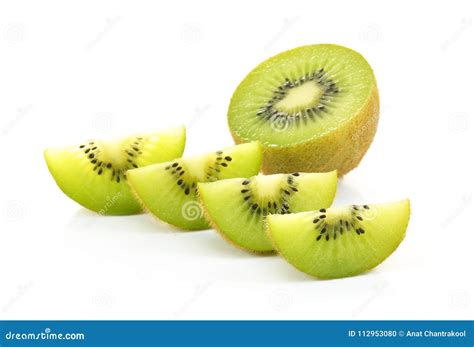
x=214 y=226
x=341 y=150
x=280 y=253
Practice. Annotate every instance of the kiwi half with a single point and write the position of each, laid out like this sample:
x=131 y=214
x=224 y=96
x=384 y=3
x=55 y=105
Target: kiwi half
x=94 y=173
x=169 y=190
x=340 y=242
x=237 y=208
x=314 y=108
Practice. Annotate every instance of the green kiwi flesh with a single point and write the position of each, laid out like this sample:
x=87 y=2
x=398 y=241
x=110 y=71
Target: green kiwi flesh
x=314 y=108
x=340 y=242
x=94 y=173
x=237 y=208
x=169 y=190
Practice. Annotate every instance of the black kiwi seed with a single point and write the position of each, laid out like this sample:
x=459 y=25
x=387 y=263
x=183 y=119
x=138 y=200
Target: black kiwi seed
x=82 y=146
x=366 y=207
x=109 y=165
x=180 y=182
x=296 y=174
x=228 y=158
x=319 y=237
x=254 y=206
x=246 y=182
x=224 y=164
x=87 y=150
x=323 y=210
x=187 y=191
x=118 y=179
x=359 y=218
x=91 y=155
x=322 y=216
x=316 y=220
x=175 y=165
x=100 y=171
x=243 y=191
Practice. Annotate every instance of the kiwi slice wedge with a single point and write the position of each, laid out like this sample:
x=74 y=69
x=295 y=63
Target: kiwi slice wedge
x=169 y=190
x=314 y=108
x=94 y=173
x=341 y=241
x=237 y=208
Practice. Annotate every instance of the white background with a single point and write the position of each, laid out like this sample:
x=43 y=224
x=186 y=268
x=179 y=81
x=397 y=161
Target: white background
x=74 y=71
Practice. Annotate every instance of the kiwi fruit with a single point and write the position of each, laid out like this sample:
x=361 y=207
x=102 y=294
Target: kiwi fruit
x=169 y=190
x=237 y=208
x=341 y=241
x=314 y=108
x=94 y=173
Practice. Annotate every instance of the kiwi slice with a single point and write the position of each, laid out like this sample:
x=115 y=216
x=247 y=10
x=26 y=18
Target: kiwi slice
x=314 y=108
x=237 y=208
x=94 y=173
x=169 y=190
x=342 y=241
